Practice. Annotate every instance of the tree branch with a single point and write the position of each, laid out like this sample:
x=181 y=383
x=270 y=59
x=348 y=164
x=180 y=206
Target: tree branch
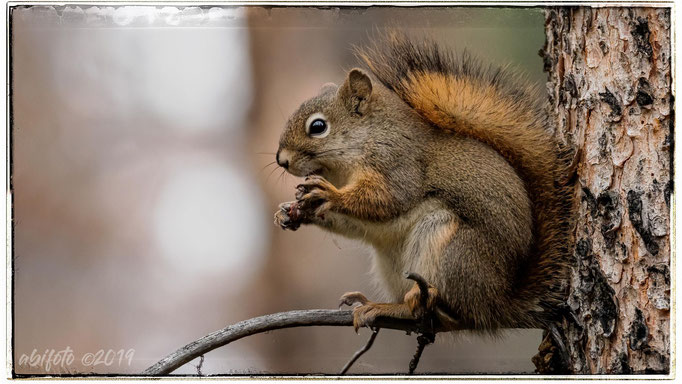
x=291 y=319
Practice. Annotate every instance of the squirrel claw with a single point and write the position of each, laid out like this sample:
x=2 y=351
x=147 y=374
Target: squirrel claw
x=363 y=314
x=316 y=195
x=350 y=298
x=300 y=192
x=314 y=184
x=312 y=197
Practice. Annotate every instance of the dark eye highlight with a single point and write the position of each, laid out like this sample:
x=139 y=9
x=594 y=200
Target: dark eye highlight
x=317 y=127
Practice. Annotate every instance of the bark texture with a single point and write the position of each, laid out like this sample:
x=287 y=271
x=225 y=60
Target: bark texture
x=610 y=92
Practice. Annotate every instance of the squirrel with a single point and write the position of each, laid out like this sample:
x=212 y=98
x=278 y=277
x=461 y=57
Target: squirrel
x=448 y=169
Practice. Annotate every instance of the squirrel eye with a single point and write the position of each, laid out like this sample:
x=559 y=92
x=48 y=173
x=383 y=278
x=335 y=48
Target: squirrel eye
x=317 y=126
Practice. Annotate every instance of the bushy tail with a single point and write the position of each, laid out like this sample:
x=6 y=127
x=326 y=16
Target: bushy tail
x=500 y=108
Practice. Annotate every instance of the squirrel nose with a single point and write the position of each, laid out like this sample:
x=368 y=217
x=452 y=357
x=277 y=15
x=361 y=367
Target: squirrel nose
x=284 y=163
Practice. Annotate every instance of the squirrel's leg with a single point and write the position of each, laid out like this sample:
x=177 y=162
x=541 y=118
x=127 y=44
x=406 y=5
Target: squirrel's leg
x=367 y=312
x=477 y=277
x=366 y=198
x=339 y=210
x=423 y=248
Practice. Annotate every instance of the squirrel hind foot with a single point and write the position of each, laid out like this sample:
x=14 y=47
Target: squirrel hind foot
x=366 y=314
x=412 y=308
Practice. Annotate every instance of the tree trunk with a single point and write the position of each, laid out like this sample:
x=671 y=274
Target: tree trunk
x=610 y=93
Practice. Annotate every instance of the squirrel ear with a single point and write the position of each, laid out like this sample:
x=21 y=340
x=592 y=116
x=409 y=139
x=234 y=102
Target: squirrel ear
x=356 y=91
x=328 y=87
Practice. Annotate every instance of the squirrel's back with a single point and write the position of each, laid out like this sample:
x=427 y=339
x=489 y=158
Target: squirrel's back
x=499 y=108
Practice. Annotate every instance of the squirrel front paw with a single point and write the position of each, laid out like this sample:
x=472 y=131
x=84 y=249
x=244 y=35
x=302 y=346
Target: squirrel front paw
x=317 y=194
x=314 y=197
x=289 y=216
x=292 y=214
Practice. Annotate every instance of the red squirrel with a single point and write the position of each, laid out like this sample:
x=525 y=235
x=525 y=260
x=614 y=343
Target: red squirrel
x=447 y=168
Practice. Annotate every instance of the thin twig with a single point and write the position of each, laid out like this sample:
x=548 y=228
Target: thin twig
x=361 y=351
x=422 y=342
x=201 y=363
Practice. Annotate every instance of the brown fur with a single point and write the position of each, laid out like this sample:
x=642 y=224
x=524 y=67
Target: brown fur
x=447 y=169
x=367 y=197
x=501 y=110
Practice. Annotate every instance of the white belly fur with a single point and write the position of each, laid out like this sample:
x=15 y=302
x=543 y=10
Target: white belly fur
x=403 y=244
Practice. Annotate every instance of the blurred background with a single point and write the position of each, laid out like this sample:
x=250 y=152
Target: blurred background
x=143 y=198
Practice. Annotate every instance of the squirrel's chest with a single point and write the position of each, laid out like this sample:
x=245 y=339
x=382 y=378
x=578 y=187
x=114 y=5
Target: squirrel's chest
x=411 y=243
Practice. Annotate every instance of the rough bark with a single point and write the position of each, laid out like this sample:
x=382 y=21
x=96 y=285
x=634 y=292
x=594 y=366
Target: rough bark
x=610 y=92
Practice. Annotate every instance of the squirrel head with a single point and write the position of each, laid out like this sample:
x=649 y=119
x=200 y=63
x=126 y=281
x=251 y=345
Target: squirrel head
x=326 y=136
